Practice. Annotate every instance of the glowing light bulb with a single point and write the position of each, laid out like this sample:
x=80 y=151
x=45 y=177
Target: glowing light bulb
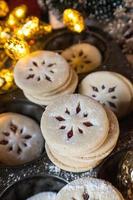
x=6 y=80
x=12 y=21
x=30 y=27
x=73 y=20
x=4 y=34
x=20 y=12
x=4 y=9
x=45 y=28
x=16 y=48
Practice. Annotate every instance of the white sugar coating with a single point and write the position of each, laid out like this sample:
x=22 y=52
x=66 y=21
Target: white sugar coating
x=89 y=187
x=75 y=122
x=41 y=71
x=107 y=146
x=44 y=196
x=21 y=139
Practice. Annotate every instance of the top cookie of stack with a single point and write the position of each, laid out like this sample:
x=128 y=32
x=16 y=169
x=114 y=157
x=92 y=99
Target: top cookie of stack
x=43 y=76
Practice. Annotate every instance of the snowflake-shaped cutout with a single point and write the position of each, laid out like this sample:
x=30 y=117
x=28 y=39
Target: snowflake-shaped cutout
x=15 y=139
x=105 y=96
x=41 y=71
x=73 y=123
x=78 y=60
x=85 y=196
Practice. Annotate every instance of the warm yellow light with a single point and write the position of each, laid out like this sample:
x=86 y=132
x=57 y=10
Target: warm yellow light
x=12 y=21
x=4 y=34
x=6 y=80
x=20 y=12
x=45 y=28
x=2 y=82
x=16 y=48
x=3 y=57
x=29 y=28
x=73 y=20
x=19 y=33
x=77 y=28
x=4 y=9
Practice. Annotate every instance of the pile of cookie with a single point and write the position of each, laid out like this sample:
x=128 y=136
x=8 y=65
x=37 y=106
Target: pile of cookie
x=110 y=89
x=44 y=76
x=79 y=132
x=89 y=188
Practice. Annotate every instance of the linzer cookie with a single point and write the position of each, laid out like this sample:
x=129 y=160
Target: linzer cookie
x=79 y=132
x=83 y=57
x=110 y=89
x=89 y=188
x=75 y=122
x=43 y=74
x=20 y=139
x=44 y=196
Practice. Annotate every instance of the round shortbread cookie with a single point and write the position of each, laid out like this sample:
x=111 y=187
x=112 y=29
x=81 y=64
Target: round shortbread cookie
x=20 y=139
x=77 y=162
x=47 y=100
x=109 y=143
x=68 y=168
x=83 y=57
x=89 y=188
x=44 y=196
x=108 y=89
x=41 y=71
x=75 y=122
x=60 y=89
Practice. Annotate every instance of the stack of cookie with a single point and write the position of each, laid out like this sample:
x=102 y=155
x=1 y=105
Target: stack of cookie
x=110 y=89
x=89 y=188
x=79 y=132
x=44 y=76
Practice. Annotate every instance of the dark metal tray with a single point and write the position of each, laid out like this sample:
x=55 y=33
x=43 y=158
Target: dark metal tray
x=113 y=60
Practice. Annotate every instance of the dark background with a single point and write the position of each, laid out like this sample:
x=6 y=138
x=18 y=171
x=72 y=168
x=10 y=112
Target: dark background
x=33 y=8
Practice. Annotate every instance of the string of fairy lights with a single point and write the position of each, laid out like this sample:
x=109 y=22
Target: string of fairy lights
x=18 y=32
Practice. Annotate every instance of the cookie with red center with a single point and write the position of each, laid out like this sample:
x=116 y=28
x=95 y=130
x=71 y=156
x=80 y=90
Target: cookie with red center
x=74 y=125
x=109 y=89
x=41 y=71
x=20 y=139
x=88 y=189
